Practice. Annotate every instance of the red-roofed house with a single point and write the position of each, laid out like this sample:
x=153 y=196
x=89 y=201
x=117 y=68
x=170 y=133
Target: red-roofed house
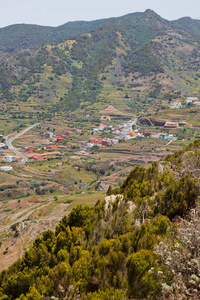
x=59 y=139
x=51 y=147
x=68 y=133
x=39 y=157
x=94 y=141
x=104 y=143
x=29 y=149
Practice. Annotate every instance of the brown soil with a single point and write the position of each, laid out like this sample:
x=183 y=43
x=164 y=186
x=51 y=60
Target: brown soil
x=111 y=110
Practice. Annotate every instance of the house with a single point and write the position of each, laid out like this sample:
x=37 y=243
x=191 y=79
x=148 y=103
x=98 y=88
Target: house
x=1 y=136
x=191 y=99
x=39 y=157
x=132 y=134
x=171 y=125
x=2 y=145
x=176 y=105
x=62 y=147
x=90 y=145
x=78 y=131
x=57 y=136
x=102 y=127
x=104 y=143
x=94 y=141
x=50 y=134
x=59 y=139
x=51 y=147
x=68 y=133
x=29 y=149
x=115 y=141
x=46 y=142
x=69 y=147
x=6 y=168
x=116 y=131
x=9 y=158
x=95 y=130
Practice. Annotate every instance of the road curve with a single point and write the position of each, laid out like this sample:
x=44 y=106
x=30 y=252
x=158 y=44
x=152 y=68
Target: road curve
x=12 y=148
x=30 y=211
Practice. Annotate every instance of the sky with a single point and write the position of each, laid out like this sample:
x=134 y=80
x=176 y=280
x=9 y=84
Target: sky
x=58 y=12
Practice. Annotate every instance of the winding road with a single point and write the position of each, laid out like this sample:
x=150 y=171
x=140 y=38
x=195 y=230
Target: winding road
x=12 y=148
x=28 y=214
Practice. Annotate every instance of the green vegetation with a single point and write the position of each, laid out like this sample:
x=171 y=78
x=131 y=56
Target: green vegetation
x=101 y=62
x=101 y=252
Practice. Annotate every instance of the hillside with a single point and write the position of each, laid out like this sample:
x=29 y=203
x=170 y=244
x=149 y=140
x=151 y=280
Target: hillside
x=141 y=244
x=139 y=56
x=15 y=38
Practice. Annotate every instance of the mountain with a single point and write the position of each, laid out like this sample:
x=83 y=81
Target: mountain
x=116 y=57
x=191 y=26
x=15 y=38
x=140 y=244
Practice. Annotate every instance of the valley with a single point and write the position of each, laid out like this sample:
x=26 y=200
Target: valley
x=90 y=110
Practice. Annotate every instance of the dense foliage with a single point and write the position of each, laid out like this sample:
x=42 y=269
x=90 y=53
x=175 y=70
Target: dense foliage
x=125 y=247
x=88 y=57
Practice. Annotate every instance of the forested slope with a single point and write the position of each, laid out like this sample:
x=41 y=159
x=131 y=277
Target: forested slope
x=110 y=60
x=128 y=247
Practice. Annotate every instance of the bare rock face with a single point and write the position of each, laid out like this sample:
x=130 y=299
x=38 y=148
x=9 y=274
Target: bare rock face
x=61 y=289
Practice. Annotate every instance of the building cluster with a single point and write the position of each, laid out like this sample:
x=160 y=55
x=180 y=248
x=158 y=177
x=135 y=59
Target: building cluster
x=189 y=101
x=176 y=105
x=164 y=136
x=9 y=158
x=193 y=101
x=122 y=132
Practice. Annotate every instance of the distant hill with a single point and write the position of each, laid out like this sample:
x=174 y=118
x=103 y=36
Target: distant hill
x=189 y=25
x=99 y=60
x=19 y=37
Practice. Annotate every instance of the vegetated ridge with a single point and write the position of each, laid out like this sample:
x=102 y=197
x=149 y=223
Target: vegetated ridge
x=126 y=247
x=112 y=57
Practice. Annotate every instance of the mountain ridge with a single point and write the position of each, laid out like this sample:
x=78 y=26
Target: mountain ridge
x=18 y=37
x=117 y=56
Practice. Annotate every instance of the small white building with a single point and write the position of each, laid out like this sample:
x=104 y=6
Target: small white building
x=176 y=105
x=2 y=145
x=6 y=168
x=191 y=100
x=50 y=134
x=9 y=158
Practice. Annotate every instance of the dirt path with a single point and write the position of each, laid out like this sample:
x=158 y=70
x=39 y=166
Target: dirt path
x=162 y=148
x=14 y=149
x=29 y=213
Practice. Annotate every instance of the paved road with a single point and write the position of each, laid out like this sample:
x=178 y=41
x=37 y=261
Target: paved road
x=12 y=148
x=24 y=216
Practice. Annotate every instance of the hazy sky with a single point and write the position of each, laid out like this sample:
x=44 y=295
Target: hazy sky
x=58 y=12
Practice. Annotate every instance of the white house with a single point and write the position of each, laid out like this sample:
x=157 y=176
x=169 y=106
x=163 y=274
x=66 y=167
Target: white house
x=50 y=134
x=176 y=105
x=191 y=100
x=9 y=158
x=6 y=168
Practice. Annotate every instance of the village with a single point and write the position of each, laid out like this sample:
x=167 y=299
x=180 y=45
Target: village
x=55 y=143
x=96 y=138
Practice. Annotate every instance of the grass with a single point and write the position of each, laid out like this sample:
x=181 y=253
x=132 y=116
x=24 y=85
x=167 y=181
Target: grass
x=85 y=199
